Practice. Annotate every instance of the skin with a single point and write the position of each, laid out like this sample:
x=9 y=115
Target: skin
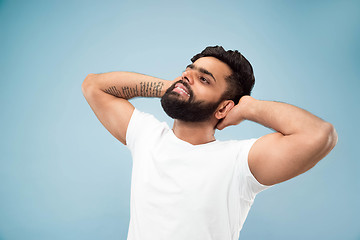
x=209 y=90
x=300 y=140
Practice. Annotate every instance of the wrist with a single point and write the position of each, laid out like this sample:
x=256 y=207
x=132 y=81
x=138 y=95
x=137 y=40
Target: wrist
x=247 y=105
x=167 y=84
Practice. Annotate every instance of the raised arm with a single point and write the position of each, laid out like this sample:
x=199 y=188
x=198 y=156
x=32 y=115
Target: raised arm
x=301 y=139
x=108 y=94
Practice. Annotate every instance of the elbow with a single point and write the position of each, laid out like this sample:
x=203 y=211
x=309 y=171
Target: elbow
x=330 y=135
x=321 y=144
x=334 y=137
x=88 y=81
x=327 y=139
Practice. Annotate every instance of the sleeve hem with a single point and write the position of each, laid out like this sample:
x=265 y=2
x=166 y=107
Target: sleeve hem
x=129 y=130
x=252 y=177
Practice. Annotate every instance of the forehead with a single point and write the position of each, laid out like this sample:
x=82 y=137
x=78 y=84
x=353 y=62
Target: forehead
x=219 y=69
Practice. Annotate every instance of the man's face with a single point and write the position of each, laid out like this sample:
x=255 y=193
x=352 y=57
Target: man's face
x=197 y=93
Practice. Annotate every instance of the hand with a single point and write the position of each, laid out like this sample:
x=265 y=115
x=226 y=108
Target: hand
x=237 y=114
x=171 y=82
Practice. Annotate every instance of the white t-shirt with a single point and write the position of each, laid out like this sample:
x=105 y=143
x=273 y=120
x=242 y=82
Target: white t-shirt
x=181 y=191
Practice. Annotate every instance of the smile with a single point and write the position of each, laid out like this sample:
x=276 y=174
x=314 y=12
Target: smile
x=181 y=89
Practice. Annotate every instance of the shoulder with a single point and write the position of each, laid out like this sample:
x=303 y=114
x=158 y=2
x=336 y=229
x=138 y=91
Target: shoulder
x=251 y=186
x=141 y=119
x=239 y=146
x=143 y=125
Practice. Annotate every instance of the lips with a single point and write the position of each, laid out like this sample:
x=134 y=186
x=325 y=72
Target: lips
x=181 y=89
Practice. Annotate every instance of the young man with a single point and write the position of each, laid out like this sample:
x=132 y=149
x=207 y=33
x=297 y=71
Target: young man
x=187 y=185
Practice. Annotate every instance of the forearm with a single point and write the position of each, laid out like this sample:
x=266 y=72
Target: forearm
x=301 y=141
x=284 y=118
x=127 y=84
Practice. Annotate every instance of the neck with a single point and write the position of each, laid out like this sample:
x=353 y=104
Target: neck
x=194 y=132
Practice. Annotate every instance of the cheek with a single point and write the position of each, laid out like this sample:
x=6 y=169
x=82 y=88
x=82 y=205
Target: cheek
x=208 y=93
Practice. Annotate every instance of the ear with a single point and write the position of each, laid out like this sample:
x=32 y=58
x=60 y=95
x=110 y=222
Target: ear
x=224 y=108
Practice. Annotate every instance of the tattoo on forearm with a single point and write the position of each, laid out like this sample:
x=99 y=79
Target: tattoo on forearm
x=113 y=91
x=147 y=89
x=151 y=89
x=130 y=92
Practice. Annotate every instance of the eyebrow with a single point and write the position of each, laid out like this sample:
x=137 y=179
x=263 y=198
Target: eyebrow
x=200 y=69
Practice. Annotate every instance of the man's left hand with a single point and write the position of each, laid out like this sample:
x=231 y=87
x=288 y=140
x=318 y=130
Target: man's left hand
x=237 y=114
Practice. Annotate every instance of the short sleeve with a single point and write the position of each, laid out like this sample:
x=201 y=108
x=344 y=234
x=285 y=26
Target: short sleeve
x=250 y=186
x=140 y=127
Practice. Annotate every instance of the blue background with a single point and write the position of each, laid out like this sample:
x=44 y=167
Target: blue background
x=63 y=176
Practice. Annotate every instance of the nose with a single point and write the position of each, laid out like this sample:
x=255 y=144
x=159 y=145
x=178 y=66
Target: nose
x=188 y=76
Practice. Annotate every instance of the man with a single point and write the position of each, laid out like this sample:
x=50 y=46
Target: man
x=187 y=185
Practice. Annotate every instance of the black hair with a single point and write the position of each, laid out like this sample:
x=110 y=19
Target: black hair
x=242 y=79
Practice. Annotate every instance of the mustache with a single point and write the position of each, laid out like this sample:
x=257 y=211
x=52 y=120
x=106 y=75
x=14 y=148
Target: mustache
x=186 y=84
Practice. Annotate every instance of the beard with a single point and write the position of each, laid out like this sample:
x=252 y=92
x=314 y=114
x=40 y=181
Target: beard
x=186 y=110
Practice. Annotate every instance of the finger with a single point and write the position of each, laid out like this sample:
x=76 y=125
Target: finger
x=221 y=125
x=218 y=124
